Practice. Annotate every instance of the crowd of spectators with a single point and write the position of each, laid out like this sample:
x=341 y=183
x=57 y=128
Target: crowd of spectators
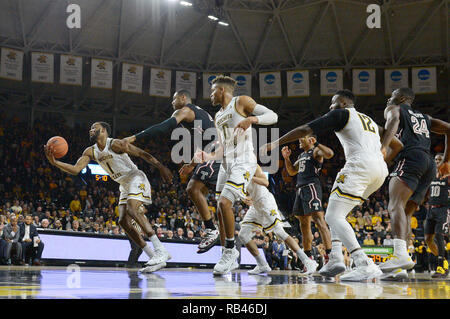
x=29 y=185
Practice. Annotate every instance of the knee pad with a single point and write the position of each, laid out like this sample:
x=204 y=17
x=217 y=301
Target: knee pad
x=246 y=234
x=280 y=232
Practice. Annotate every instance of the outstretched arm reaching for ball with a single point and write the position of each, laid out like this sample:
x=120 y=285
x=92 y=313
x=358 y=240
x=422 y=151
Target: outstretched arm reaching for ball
x=82 y=162
x=119 y=147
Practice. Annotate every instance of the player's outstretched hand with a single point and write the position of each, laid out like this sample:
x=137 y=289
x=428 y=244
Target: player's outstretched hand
x=444 y=169
x=286 y=152
x=49 y=154
x=185 y=170
x=200 y=156
x=266 y=148
x=129 y=139
x=166 y=174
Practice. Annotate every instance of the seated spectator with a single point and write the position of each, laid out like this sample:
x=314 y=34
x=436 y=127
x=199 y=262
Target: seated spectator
x=388 y=241
x=11 y=235
x=379 y=231
x=368 y=241
x=159 y=233
x=32 y=246
x=281 y=259
x=57 y=225
x=180 y=234
x=115 y=230
x=36 y=221
x=76 y=226
x=169 y=234
x=45 y=224
x=190 y=235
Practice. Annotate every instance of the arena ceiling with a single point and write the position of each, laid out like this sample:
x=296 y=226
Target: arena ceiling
x=261 y=34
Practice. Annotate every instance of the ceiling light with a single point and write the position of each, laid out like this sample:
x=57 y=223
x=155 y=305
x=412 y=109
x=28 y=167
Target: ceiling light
x=186 y=4
x=213 y=18
x=223 y=23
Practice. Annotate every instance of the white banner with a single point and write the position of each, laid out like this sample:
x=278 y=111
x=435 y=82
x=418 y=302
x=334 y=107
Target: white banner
x=71 y=70
x=42 y=67
x=186 y=81
x=270 y=84
x=331 y=81
x=297 y=83
x=160 y=82
x=207 y=82
x=101 y=74
x=395 y=79
x=364 y=82
x=132 y=77
x=11 y=66
x=424 y=80
x=243 y=83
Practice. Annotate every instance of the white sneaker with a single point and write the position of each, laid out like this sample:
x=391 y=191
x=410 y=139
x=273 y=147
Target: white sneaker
x=208 y=241
x=226 y=262
x=235 y=265
x=363 y=272
x=396 y=274
x=153 y=268
x=260 y=270
x=396 y=262
x=333 y=267
x=161 y=256
x=310 y=267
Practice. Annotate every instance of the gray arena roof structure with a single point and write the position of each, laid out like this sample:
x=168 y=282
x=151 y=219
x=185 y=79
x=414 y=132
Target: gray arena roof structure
x=261 y=35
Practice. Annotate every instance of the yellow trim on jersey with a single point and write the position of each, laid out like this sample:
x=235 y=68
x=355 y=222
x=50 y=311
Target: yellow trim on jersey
x=273 y=225
x=241 y=186
x=254 y=224
x=235 y=108
x=341 y=194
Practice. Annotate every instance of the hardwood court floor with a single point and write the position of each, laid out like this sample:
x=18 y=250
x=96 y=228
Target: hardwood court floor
x=111 y=283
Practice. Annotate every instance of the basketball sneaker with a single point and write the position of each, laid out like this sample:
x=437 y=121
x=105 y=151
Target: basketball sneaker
x=208 y=241
x=395 y=262
x=395 y=274
x=161 y=256
x=310 y=267
x=227 y=261
x=366 y=270
x=333 y=267
x=260 y=269
x=153 y=268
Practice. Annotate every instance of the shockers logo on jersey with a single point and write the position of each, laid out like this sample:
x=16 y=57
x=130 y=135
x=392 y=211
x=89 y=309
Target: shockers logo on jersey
x=247 y=176
x=142 y=187
x=341 y=178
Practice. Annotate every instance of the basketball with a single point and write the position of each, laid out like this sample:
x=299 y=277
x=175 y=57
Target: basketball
x=59 y=145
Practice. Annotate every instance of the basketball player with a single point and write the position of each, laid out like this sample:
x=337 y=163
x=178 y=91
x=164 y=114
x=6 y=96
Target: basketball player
x=263 y=214
x=233 y=122
x=135 y=190
x=205 y=175
x=308 y=198
x=414 y=171
x=437 y=217
x=363 y=173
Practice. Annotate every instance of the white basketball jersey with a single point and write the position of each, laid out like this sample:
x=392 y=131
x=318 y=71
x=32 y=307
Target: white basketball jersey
x=236 y=148
x=118 y=166
x=259 y=194
x=360 y=138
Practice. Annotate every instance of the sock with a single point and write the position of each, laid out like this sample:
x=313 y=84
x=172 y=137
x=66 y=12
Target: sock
x=308 y=253
x=303 y=255
x=261 y=260
x=440 y=261
x=209 y=224
x=336 y=249
x=400 y=247
x=156 y=243
x=229 y=242
x=148 y=251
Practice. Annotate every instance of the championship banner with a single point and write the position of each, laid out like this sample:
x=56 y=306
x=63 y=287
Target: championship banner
x=160 y=82
x=331 y=81
x=270 y=84
x=424 y=80
x=186 y=81
x=11 y=64
x=101 y=74
x=71 y=70
x=297 y=83
x=243 y=83
x=132 y=77
x=364 y=82
x=42 y=67
x=395 y=79
x=207 y=83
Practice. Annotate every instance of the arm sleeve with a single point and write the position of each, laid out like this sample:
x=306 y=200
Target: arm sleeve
x=160 y=128
x=265 y=116
x=334 y=120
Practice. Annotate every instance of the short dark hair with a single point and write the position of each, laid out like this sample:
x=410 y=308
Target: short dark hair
x=225 y=80
x=106 y=126
x=186 y=93
x=407 y=93
x=347 y=94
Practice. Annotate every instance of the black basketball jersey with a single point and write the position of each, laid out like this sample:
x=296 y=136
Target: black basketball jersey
x=202 y=122
x=439 y=191
x=414 y=129
x=308 y=169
